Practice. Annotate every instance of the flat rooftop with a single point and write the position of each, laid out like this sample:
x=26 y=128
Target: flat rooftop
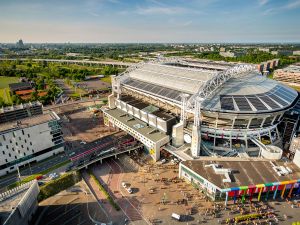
x=138 y=125
x=7 y=206
x=244 y=172
x=21 y=106
x=28 y=122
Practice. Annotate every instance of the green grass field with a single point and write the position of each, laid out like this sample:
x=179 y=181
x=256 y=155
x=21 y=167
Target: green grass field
x=5 y=95
x=4 y=90
x=5 y=81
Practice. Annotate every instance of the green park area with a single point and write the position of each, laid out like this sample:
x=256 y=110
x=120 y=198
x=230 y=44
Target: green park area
x=4 y=90
x=5 y=81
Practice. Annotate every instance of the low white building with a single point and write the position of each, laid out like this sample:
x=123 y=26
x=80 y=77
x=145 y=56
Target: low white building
x=29 y=140
x=297 y=158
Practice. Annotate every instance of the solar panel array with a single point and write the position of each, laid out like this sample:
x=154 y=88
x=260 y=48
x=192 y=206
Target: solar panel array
x=226 y=102
x=277 y=98
x=242 y=104
x=154 y=89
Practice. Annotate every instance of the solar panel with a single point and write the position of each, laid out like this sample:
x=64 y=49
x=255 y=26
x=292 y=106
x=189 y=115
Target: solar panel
x=279 y=100
x=155 y=89
x=226 y=102
x=257 y=103
x=269 y=102
x=285 y=96
x=242 y=104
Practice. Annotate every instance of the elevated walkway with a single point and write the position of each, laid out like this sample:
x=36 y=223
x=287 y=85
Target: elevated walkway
x=83 y=164
x=179 y=152
x=268 y=151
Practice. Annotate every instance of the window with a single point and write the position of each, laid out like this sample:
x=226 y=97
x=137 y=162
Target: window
x=30 y=143
x=27 y=148
x=28 y=135
x=4 y=137
x=3 y=152
x=25 y=141
x=17 y=144
x=15 y=157
x=20 y=138
x=6 y=160
x=23 y=132
x=9 y=154
x=22 y=146
x=32 y=151
x=7 y=146
x=10 y=141
x=13 y=148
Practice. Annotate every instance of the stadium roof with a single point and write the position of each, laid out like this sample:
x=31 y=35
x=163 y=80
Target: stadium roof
x=182 y=79
x=237 y=88
x=249 y=94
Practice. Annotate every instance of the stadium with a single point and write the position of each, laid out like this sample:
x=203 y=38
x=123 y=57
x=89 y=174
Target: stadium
x=192 y=108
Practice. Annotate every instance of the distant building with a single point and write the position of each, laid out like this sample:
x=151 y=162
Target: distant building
x=290 y=74
x=20 y=44
x=266 y=66
x=264 y=49
x=21 y=86
x=282 y=52
x=29 y=140
x=296 y=52
x=232 y=54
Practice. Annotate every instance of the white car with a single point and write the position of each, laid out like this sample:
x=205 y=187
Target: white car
x=82 y=142
x=124 y=184
x=163 y=161
x=129 y=190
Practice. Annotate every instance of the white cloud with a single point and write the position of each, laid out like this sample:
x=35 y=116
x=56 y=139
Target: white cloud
x=293 y=4
x=263 y=2
x=154 y=10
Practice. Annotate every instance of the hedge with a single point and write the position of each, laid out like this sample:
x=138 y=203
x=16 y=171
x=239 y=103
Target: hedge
x=34 y=176
x=55 y=186
x=104 y=191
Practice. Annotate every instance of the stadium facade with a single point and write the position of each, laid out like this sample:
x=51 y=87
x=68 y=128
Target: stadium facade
x=213 y=108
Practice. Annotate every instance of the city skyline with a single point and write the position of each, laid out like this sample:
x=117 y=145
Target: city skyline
x=117 y=21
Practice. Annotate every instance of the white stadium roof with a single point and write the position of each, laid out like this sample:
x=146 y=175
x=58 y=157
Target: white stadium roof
x=237 y=88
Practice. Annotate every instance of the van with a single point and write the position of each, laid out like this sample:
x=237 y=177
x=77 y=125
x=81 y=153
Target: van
x=176 y=216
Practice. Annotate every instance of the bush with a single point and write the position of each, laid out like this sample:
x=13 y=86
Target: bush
x=38 y=175
x=104 y=191
x=55 y=186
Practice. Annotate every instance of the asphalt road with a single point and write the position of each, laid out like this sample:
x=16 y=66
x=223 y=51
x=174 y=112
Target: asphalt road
x=35 y=168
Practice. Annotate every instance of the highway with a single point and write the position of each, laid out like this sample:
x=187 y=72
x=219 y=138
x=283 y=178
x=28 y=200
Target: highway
x=35 y=168
x=106 y=63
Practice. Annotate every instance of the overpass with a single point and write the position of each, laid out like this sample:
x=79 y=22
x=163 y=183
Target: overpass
x=67 y=61
x=86 y=163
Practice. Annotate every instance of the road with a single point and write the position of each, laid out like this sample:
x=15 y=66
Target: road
x=129 y=205
x=33 y=169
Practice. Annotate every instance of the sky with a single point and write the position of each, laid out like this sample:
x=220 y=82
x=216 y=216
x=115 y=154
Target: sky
x=132 y=21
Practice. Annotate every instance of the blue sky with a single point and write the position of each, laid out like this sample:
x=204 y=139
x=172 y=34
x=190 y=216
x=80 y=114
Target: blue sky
x=150 y=20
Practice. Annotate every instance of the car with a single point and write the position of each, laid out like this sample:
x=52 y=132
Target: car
x=82 y=142
x=163 y=161
x=124 y=184
x=129 y=190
